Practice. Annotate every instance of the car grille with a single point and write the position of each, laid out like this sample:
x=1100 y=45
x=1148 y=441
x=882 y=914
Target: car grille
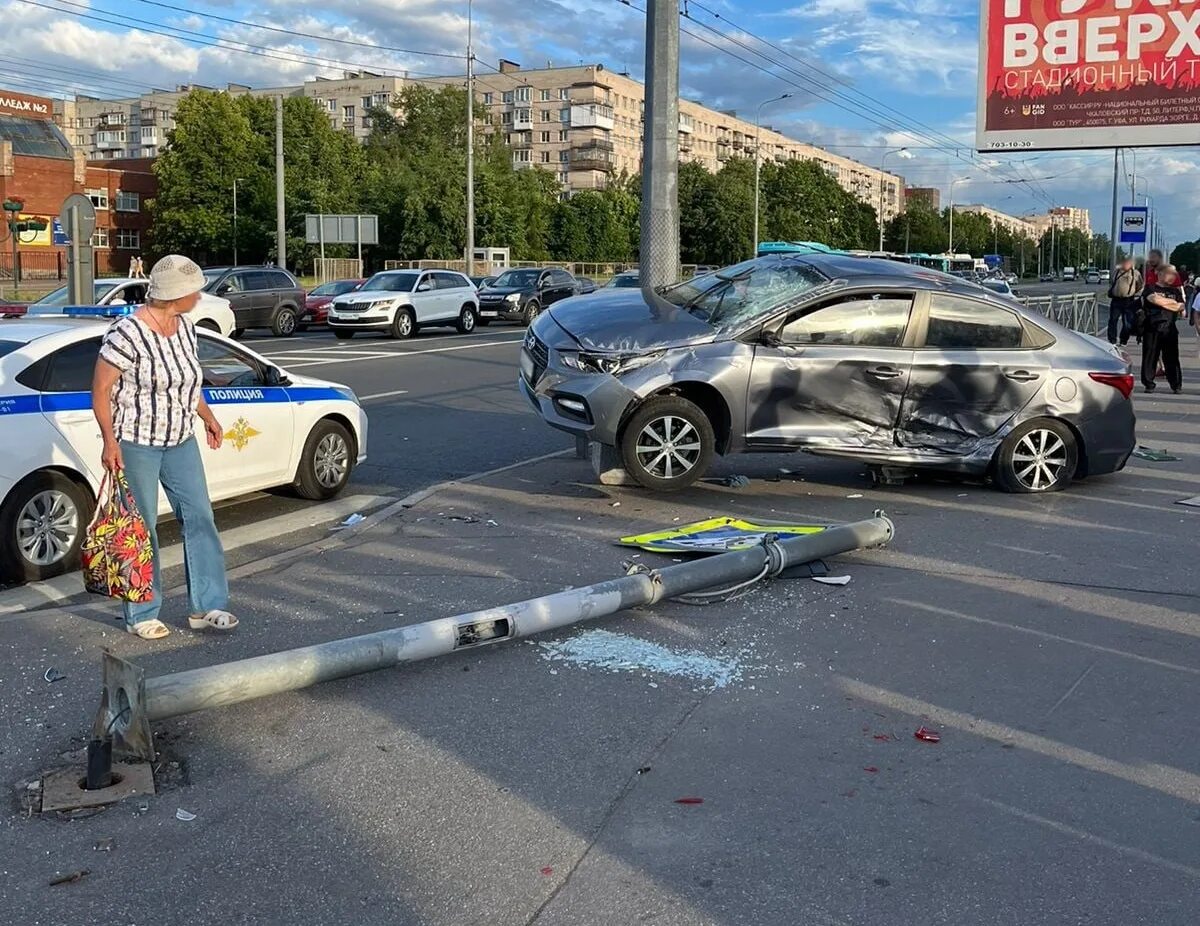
x=538 y=353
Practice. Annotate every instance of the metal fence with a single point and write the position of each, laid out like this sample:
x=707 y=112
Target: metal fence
x=337 y=268
x=600 y=272
x=1077 y=311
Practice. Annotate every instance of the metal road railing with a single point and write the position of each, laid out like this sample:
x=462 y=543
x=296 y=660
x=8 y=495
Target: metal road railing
x=1077 y=311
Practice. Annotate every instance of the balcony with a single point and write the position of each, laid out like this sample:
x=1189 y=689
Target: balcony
x=686 y=126
x=596 y=155
x=685 y=142
x=592 y=116
x=522 y=120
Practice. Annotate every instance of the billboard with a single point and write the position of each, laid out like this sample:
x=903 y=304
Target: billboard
x=341 y=229
x=1134 y=220
x=1088 y=74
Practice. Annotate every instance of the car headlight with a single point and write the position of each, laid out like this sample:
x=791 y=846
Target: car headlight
x=612 y=364
x=513 y=298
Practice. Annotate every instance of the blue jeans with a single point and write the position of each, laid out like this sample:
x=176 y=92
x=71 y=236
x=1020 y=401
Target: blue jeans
x=181 y=472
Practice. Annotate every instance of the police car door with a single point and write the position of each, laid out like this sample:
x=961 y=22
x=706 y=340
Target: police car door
x=256 y=420
x=66 y=385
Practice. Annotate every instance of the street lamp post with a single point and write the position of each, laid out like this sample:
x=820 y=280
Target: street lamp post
x=882 y=162
x=950 y=244
x=236 y=181
x=758 y=159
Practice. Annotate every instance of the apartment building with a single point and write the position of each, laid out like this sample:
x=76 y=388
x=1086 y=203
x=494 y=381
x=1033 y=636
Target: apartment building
x=585 y=124
x=582 y=123
x=927 y=197
x=1062 y=217
x=136 y=127
x=1015 y=225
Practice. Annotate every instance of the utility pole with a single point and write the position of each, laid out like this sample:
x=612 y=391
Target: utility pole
x=758 y=162
x=280 y=216
x=236 y=181
x=470 y=143
x=882 y=176
x=659 y=251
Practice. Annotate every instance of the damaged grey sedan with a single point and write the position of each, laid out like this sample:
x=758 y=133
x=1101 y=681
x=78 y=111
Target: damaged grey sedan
x=900 y=368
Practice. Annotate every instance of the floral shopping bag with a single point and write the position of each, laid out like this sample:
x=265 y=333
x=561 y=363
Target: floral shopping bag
x=118 y=558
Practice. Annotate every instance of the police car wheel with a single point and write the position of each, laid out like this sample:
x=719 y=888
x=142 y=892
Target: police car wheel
x=327 y=461
x=42 y=524
x=284 y=325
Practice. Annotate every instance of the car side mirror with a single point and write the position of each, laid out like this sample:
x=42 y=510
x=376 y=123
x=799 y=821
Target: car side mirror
x=223 y=289
x=273 y=376
x=424 y=286
x=770 y=339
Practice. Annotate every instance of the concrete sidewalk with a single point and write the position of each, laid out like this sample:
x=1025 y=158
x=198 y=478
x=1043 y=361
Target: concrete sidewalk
x=1051 y=640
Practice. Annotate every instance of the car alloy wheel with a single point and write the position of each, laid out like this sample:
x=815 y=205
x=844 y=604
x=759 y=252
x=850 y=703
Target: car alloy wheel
x=331 y=460
x=1039 y=460
x=466 y=320
x=668 y=447
x=285 y=323
x=47 y=528
x=403 y=326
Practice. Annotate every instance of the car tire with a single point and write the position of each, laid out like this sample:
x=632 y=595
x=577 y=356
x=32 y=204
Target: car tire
x=342 y=335
x=302 y=326
x=1038 y=456
x=467 y=319
x=207 y=324
x=283 y=325
x=237 y=333
x=532 y=310
x=404 y=325
x=327 y=461
x=70 y=506
x=663 y=420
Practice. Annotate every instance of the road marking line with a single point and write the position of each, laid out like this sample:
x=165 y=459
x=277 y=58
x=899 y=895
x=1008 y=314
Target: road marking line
x=407 y=353
x=38 y=594
x=382 y=395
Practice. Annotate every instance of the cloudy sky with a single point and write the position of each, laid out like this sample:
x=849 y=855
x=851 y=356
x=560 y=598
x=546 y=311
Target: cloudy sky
x=866 y=75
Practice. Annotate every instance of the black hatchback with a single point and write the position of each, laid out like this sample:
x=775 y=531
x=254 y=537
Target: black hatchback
x=261 y=297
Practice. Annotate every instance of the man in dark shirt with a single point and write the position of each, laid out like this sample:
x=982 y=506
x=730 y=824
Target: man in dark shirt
x=1160 y=338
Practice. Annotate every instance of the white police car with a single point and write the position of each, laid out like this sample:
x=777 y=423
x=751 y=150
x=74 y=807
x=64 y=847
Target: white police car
x=280 y=430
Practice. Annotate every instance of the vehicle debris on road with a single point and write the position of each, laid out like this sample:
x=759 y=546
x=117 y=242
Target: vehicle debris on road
x=928 y=736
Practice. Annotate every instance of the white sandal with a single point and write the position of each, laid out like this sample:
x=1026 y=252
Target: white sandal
x=213 y=620
x=149 y=630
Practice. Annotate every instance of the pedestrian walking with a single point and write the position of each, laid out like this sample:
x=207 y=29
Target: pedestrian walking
x=1164 y=304
x=1124 y=292
x=146 y=397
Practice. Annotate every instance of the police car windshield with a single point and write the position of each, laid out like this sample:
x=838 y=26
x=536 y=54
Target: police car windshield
x=392 y=282
x=62 y=295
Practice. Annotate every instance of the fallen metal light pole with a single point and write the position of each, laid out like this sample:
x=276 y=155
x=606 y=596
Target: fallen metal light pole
x=130 y=701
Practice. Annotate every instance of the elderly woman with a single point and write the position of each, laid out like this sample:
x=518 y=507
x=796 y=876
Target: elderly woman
x=1164 y=304
x=146 y=396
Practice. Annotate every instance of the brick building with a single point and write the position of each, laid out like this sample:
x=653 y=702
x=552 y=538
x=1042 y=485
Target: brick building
x=40 y=169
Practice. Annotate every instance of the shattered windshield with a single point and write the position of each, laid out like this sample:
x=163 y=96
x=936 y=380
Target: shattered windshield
x=739 y=294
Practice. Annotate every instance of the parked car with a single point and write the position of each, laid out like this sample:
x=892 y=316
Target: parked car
x=586 y=285
x=281 y=430
x=1093 y=276
x=401 y=302
x=998 y=285
x=482 y=282
x=211 y=312
x=316 y=303
x=521 y=295
x=1011 y=279
x=1105 y=276
x=627 y=279
x=883 y=363
x=261 y=297
x=1048 y=278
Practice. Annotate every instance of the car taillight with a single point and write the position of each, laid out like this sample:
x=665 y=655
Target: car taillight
x=1122 y=382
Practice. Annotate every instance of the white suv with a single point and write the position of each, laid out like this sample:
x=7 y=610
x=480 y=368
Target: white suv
x=402 y=301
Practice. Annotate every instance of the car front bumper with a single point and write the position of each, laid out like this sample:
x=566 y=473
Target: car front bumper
x=590 y=405
x=501 y=311
x=365 y=321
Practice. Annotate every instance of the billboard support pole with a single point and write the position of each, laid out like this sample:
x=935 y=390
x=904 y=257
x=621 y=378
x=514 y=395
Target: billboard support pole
x=1112 y=264
x=280 y=215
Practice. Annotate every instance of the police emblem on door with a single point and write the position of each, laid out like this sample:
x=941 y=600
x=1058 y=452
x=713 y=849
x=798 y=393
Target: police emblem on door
x=241 y=434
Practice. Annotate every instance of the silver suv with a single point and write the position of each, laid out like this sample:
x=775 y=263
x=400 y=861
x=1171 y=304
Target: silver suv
x=400 y=302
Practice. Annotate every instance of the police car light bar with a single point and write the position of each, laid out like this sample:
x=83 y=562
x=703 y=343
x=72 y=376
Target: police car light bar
x=98 y=311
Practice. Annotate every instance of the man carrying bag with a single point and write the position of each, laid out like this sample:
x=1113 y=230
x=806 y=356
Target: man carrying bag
x=1124 y=294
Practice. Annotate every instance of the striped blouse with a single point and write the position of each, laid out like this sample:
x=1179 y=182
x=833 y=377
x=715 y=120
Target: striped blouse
x=155 y=399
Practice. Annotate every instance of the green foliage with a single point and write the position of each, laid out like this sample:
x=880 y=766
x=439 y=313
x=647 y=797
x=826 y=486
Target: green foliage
x=1187 y=255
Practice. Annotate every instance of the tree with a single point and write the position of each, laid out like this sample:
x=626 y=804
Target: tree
x=919 y=230
x=1187 y=255
x=211 y=145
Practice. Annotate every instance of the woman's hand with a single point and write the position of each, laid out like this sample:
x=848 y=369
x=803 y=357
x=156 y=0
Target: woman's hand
x=214 y=433
x=110 y=457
